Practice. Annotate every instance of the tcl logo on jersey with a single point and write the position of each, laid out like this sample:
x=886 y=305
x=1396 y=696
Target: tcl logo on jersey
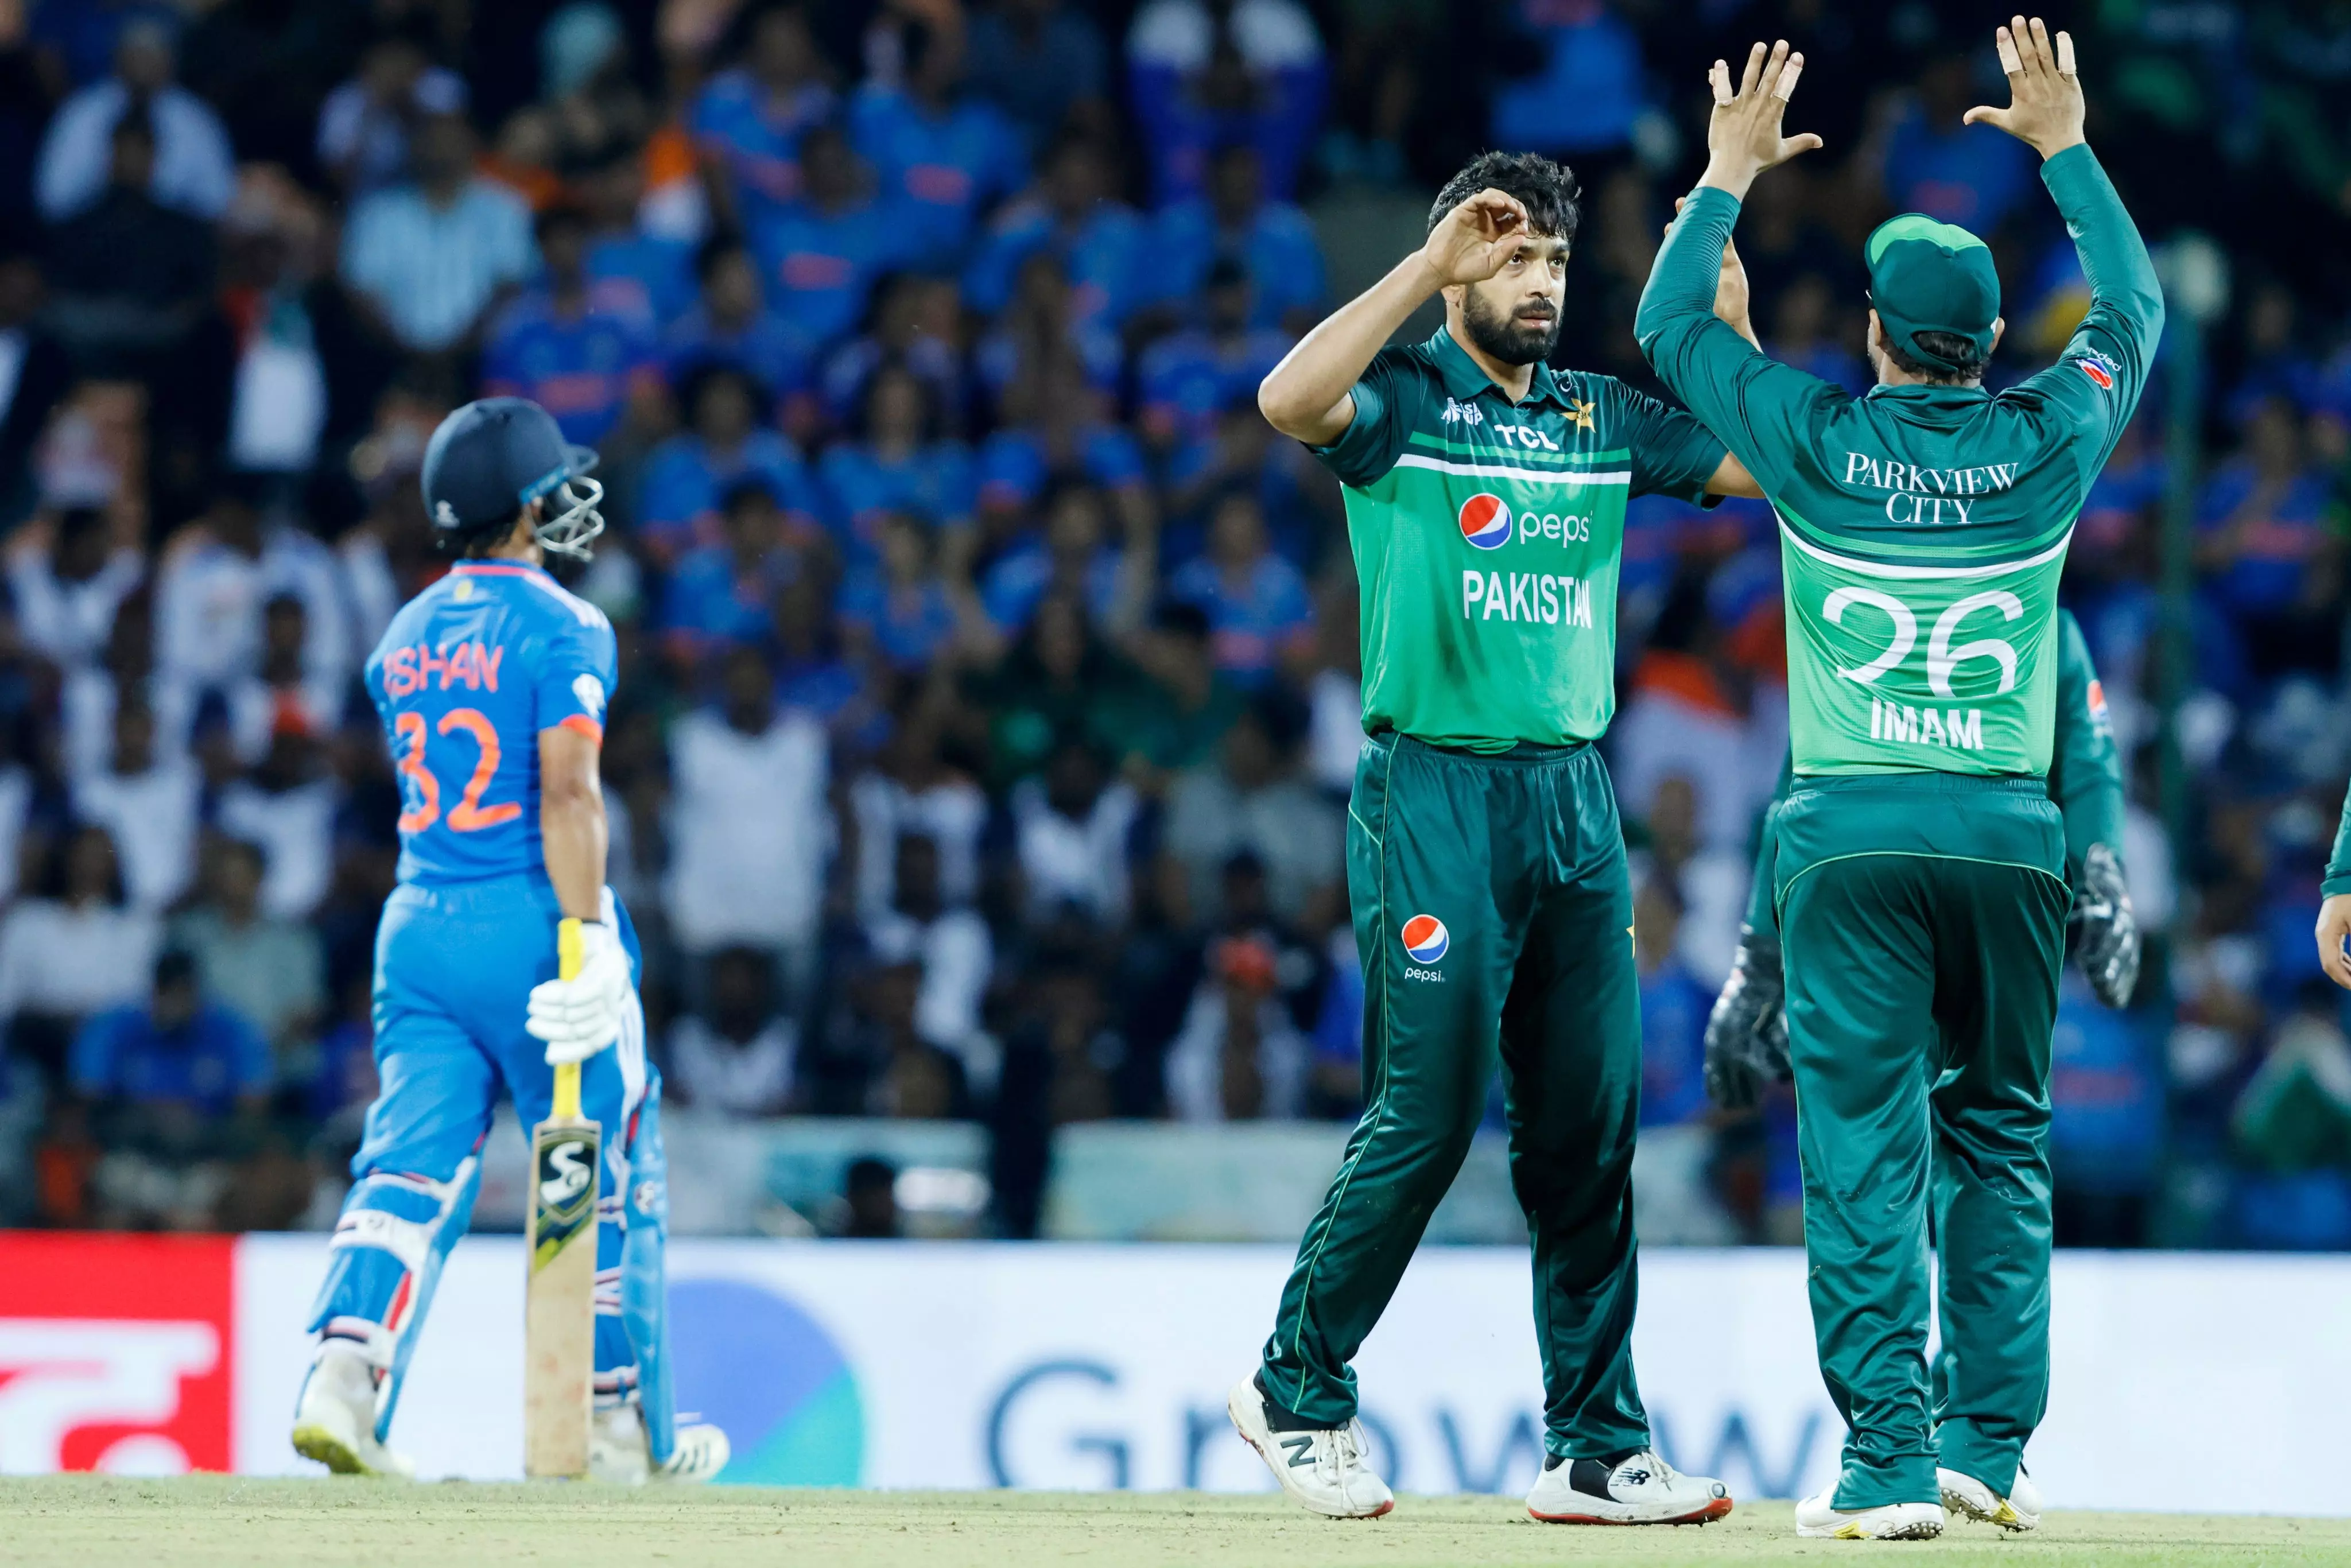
x=1425 y=942
x=1485 y=521
x=116 y=1353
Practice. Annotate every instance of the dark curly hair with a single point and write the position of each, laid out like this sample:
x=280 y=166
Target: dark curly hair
x=1547 y=189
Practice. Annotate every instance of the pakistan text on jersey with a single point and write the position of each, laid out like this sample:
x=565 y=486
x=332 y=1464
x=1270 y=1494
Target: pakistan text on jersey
x=1959 y=727
x=1928 y=496
x=410 y=670
x=1526 y=596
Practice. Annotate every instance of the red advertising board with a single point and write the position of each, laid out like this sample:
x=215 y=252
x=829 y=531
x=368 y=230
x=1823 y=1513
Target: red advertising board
x=116 y=1353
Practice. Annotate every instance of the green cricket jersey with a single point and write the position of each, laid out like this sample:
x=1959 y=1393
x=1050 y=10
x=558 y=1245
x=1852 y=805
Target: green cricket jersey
x=1923 y=528
x=2086 y=770
x=1488 y=536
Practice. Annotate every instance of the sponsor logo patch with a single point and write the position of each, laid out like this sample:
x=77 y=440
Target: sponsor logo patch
x=1425 y=938
x=1485 y=520
x=2099 y=368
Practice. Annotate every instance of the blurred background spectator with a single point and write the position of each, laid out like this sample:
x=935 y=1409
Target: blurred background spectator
x=988 y=696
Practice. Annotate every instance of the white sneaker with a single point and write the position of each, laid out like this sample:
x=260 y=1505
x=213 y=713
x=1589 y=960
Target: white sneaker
x=1818 y=1515
x=1642 y=1489
x=617 y=1454
x=2020 y=1511
x=1321 y=1468
x=700 y=1452
x=334 y=1419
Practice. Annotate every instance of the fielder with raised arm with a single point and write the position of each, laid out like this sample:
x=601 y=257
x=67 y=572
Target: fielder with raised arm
x=1918 y=867
x=1486 y=507
x=492 y=684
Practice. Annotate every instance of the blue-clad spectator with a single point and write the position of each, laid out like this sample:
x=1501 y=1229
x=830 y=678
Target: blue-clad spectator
x=655 y=271
x=195 y=170
x=688 y=476
x=582 y=351
x=813 y=671
x=177 y=1052
x=1973 y=175
x=916 y=321
x=1073 y=559
x=1260 y=616
x=1273 y=241
x=1102 y=246
x=1203 y=76
x=1042 y=324
x=1188 y=381
x=1018 y=462
x=1674 y=1007
x=1039 y=61
x=946 y=154
x=2262 y=535
x=820 y=255
x=896 y=606
x=898 y=462
x=726 y=592
x=431 y=257
x=731 y=325
x=748 y=121
x=1589 y=90
x=2105 y=1121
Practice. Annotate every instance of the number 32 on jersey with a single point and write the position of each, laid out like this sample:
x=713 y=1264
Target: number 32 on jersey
x=422 y=790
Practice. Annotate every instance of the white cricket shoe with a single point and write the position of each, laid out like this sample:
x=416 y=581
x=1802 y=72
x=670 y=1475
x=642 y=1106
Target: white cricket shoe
x=698 y=1454
x=334 y=1419
x=1641 y=1490
x=2020 y=1511
x=1818 y=1515
x=1321 y=1468
x=617 y=1454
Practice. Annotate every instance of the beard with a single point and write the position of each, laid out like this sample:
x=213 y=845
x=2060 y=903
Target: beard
x=1513 y=340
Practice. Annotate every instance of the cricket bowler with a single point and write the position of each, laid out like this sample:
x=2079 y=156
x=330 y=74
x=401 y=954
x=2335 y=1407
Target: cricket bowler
x=492 y=685
x=1485 y=496
x=1747 y=1032
x=1919 y=864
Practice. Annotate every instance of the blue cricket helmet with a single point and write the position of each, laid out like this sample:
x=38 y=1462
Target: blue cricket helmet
x=491 y=458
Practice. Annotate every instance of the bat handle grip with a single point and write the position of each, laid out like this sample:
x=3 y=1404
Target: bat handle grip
x=571 y=955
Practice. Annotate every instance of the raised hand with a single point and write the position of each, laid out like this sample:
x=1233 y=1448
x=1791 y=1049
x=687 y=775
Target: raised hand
x=2044 y=92
x=1477 y=239
x=1743 y=138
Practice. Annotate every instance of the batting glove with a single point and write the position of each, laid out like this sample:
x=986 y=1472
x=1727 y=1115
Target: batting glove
x=2103 y=930
x=1747 y=1033
x=580 y=1016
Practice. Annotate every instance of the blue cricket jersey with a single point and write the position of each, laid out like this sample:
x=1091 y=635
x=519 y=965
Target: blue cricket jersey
x=469 y=673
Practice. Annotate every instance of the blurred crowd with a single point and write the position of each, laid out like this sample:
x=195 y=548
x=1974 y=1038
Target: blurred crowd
x=989 y=668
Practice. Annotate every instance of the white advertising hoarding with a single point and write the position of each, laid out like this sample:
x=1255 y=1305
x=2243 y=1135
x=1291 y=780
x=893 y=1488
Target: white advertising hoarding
x=954 y=1366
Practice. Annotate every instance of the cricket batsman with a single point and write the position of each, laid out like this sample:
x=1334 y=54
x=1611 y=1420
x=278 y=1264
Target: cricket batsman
x=1485 y=497
x=1917 y=865
x=1747 y=1033
x=492 y=684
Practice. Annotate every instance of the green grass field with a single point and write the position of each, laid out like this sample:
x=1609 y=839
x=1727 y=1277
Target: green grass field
x=95 y=1524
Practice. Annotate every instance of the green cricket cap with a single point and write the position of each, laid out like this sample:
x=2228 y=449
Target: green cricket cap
x=1931 y=276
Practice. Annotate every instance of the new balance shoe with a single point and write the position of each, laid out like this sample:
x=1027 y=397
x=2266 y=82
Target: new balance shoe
x=334 y=1419
x=1321 y=1467
x=619 y=1454
x=1818 y=1515
x=1641 y=1489
x=2020 y=1511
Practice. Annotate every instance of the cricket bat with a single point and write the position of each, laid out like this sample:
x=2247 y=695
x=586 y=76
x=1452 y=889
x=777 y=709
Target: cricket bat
x=560 y=1303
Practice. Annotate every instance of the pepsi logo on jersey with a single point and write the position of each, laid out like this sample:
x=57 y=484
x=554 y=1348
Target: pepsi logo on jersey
x=1485 y=521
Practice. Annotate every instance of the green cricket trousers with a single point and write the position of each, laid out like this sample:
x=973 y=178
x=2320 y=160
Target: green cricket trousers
x=1494 y=918
x=1922 y=917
